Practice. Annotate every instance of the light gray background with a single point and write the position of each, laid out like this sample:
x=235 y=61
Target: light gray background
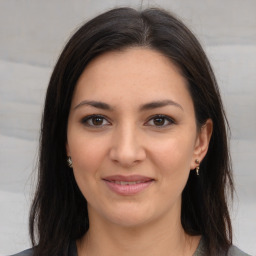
x=32 y=34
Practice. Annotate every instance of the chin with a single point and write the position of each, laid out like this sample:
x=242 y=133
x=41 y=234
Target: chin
x=130 y=221
x=131 y=217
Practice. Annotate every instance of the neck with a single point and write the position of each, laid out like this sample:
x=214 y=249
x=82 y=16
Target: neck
x=154 y=238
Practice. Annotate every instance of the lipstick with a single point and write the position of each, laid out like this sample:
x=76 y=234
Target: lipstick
x=127 y=185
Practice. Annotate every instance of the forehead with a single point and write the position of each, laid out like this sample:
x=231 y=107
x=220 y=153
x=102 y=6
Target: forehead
x=138 y=74
x=132 y=60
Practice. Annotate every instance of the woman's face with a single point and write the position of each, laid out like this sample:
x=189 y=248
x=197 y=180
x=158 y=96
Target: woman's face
x=132 y=137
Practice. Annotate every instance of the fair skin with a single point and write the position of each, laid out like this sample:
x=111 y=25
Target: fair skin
x=144 y=132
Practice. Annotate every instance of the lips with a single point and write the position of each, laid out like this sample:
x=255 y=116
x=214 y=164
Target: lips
x=126 y=182
x=127 y=185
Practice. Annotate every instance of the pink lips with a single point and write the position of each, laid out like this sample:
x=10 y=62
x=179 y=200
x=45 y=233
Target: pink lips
x=127 y=185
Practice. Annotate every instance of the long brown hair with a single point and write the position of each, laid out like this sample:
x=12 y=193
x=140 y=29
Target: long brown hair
x=59 y=210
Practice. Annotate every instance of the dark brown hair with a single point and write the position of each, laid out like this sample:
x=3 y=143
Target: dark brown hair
x=59 y=210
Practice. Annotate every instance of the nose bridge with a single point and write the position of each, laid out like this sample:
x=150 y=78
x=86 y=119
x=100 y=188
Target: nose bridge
x=127 y=148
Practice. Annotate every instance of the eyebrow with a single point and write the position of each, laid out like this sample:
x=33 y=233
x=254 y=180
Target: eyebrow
x=96 y=104
x=159 y=104
x=147 y=106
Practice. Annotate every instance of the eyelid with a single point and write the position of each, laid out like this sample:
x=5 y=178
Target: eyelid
x=168 y=118
x=85 y=119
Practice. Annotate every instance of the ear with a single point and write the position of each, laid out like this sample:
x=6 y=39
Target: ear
x=202 y=143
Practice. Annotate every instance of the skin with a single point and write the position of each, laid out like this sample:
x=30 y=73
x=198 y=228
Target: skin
x=131 y=140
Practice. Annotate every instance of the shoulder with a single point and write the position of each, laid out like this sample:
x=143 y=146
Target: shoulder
x=72 y=251
x=28 y=252
x=234 y=251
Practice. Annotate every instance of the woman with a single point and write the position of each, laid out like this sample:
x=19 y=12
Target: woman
x=134 y=157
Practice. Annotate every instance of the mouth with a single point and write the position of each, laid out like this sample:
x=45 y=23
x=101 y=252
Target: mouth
x=126 y=182
x=128 y=185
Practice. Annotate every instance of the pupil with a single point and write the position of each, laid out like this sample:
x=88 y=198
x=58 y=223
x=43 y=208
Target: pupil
x=159 y=121
x=97 y=120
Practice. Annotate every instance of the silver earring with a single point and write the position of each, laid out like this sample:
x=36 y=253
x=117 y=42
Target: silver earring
x=69 y=161
x=197 y=168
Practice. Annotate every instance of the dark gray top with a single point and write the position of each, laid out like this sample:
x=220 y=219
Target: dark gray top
x=233 y=250
x=200 y=251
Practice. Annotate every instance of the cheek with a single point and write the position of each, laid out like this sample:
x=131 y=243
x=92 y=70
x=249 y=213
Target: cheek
x=86 y=151
x=88 y=156
x=173 y=166
x=174 y=151
x=87 y=159
x=173 y=156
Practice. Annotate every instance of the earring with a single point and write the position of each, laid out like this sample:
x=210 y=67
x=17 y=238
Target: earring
x=69 y=161
x=197 y=168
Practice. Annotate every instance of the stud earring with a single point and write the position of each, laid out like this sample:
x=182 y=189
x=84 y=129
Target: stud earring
x=69 y=162
x=197 y=168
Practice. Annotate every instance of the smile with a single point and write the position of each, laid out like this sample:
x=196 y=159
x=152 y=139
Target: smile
x=127 y=185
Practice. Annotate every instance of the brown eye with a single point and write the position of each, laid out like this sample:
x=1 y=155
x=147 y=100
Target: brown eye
x=160 y=121
x=95 y=121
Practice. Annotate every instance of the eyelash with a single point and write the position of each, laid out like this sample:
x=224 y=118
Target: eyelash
x=160 y=116
x=89 y=118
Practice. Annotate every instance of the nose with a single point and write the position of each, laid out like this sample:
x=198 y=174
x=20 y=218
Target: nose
x=127 y=149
